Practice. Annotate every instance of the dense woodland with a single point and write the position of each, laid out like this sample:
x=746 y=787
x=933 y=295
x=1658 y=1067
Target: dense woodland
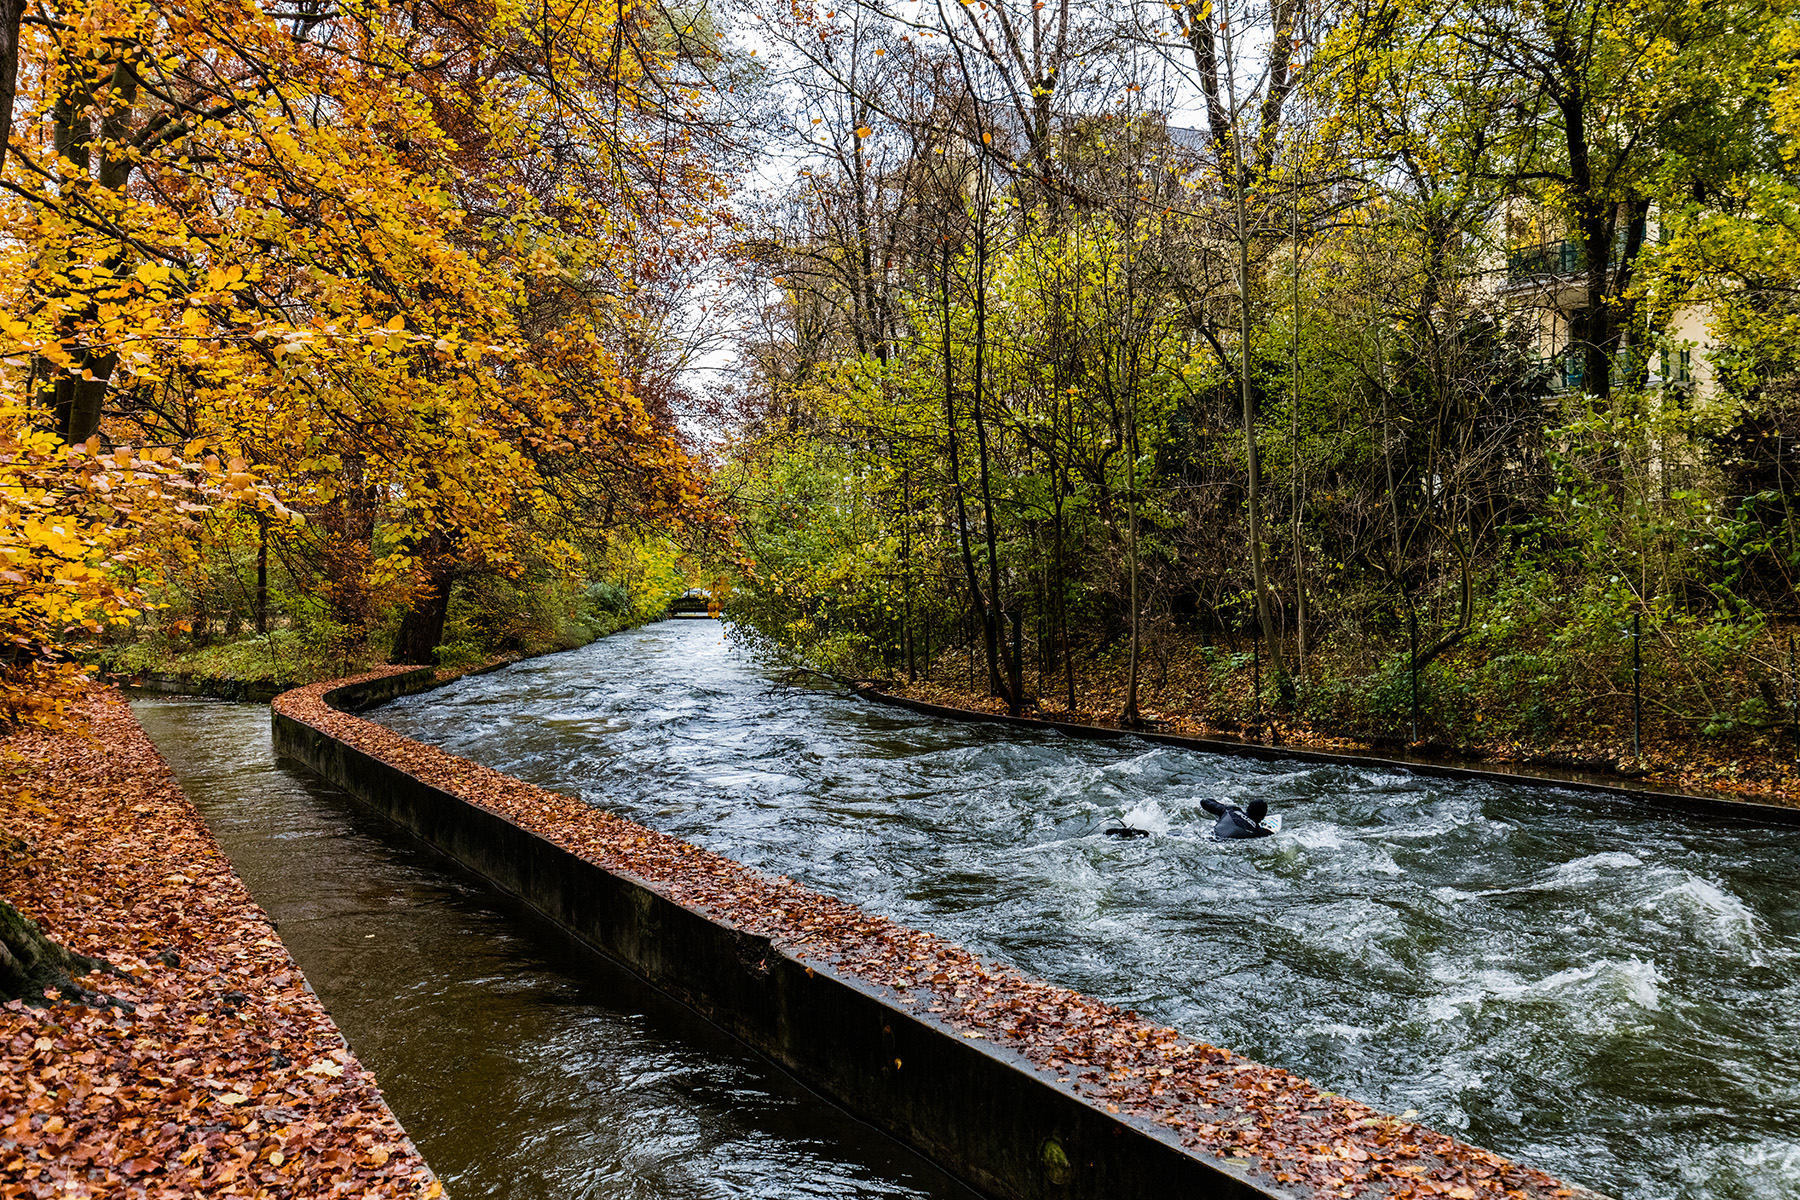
x=1381 y=370
x=1266 y=364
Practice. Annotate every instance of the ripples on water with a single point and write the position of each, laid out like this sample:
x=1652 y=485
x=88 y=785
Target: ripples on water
x=1581 y=984
x=524 y=1067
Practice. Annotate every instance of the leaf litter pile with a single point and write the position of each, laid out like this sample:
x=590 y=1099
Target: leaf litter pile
x=204 y=1066
x=1286 y=1131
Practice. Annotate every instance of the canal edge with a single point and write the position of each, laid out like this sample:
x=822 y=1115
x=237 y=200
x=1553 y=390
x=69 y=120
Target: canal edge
x=191 y=951
x=1745 y=811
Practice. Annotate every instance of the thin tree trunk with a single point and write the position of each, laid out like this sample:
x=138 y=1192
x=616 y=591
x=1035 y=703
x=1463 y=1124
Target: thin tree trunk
x=262 y=575
x=906 y=591
x=1258 y=576
x=1294 y=435
x=12 y=12
x=978 y=605
x=1062 y=587
x=1000 y=660
x=1130 y=715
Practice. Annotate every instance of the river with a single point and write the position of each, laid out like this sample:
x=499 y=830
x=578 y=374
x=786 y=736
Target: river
x=1588 y=986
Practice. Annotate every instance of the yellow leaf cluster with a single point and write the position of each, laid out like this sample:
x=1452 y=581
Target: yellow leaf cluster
x=361 y=280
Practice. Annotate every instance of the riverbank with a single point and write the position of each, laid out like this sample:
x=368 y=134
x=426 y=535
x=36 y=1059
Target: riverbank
x=1756 y=772
x=1213 y=1102
x=259 y=667
x=221 y=1074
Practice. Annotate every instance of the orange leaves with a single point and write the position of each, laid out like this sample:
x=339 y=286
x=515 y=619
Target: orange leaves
x=344 y=261
x=198 y=1090
x=73 y=552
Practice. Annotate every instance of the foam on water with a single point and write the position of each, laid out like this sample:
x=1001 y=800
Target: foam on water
x=1588 y=989
x=1319 y=837
x=1145 y=814
x=1592 y=868
x=1609 y=992
x=1707 y=910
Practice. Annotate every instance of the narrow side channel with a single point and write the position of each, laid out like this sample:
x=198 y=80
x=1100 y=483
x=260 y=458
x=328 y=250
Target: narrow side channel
x=524 y=1064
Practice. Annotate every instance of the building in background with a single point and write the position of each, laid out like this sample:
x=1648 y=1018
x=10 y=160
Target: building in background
x=1544 y=283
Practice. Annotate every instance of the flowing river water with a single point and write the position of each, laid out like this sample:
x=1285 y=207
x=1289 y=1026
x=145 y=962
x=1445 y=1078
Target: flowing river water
x=1597 y=989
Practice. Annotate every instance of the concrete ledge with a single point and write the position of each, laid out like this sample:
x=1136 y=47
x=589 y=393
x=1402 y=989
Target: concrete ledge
x=1018 y=1087
x=1747 y=811
x=259 y=691
x=370 y=693
x=983 y=1112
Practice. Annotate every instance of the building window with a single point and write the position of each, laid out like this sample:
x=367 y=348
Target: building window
x=1547 y=258
x=1678 y=367
x=1574 y=361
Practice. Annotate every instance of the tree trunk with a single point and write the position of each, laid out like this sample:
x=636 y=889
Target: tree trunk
x=1058 y=485
x=1298 y=501
x=11 y=13
x=78 y=395
x=31 y=962
x=1000 y=664
x=1265 y=614
x=906 y=588
x=262 y=575
x=422 y=629
x=978 y=605
x=1130 y=715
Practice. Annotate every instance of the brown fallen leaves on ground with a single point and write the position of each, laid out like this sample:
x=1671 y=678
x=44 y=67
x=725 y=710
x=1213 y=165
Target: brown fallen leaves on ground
x=1695 y=766
x=225 y=1076
x=1281 y=1126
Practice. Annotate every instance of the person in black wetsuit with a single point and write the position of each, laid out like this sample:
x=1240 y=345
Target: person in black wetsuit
x=1235 y=822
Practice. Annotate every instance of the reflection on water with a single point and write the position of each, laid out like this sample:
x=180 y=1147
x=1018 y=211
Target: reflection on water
x=1584 y=985
x=523 y=1066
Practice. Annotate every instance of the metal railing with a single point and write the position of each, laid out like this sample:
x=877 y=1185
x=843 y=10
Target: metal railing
x=1551 y=258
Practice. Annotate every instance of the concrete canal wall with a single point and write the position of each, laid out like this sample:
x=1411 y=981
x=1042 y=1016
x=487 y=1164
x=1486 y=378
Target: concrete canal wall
x=980 y=1111
x=1018 y=1087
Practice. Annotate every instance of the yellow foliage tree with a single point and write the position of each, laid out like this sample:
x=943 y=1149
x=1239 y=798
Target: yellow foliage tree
x=316 y=242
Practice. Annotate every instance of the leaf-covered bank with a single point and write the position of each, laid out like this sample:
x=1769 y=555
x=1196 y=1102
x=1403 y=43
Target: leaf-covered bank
x=222 y=1075
x=1365 y=703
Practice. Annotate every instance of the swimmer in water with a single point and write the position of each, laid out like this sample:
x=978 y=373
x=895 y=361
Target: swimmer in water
x=1235 y=822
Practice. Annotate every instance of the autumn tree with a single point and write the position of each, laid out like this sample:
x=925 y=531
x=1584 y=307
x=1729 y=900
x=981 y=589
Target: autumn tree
x=389 y=271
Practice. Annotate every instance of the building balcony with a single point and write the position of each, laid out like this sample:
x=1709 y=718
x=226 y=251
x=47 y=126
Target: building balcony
x=1551 y=259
